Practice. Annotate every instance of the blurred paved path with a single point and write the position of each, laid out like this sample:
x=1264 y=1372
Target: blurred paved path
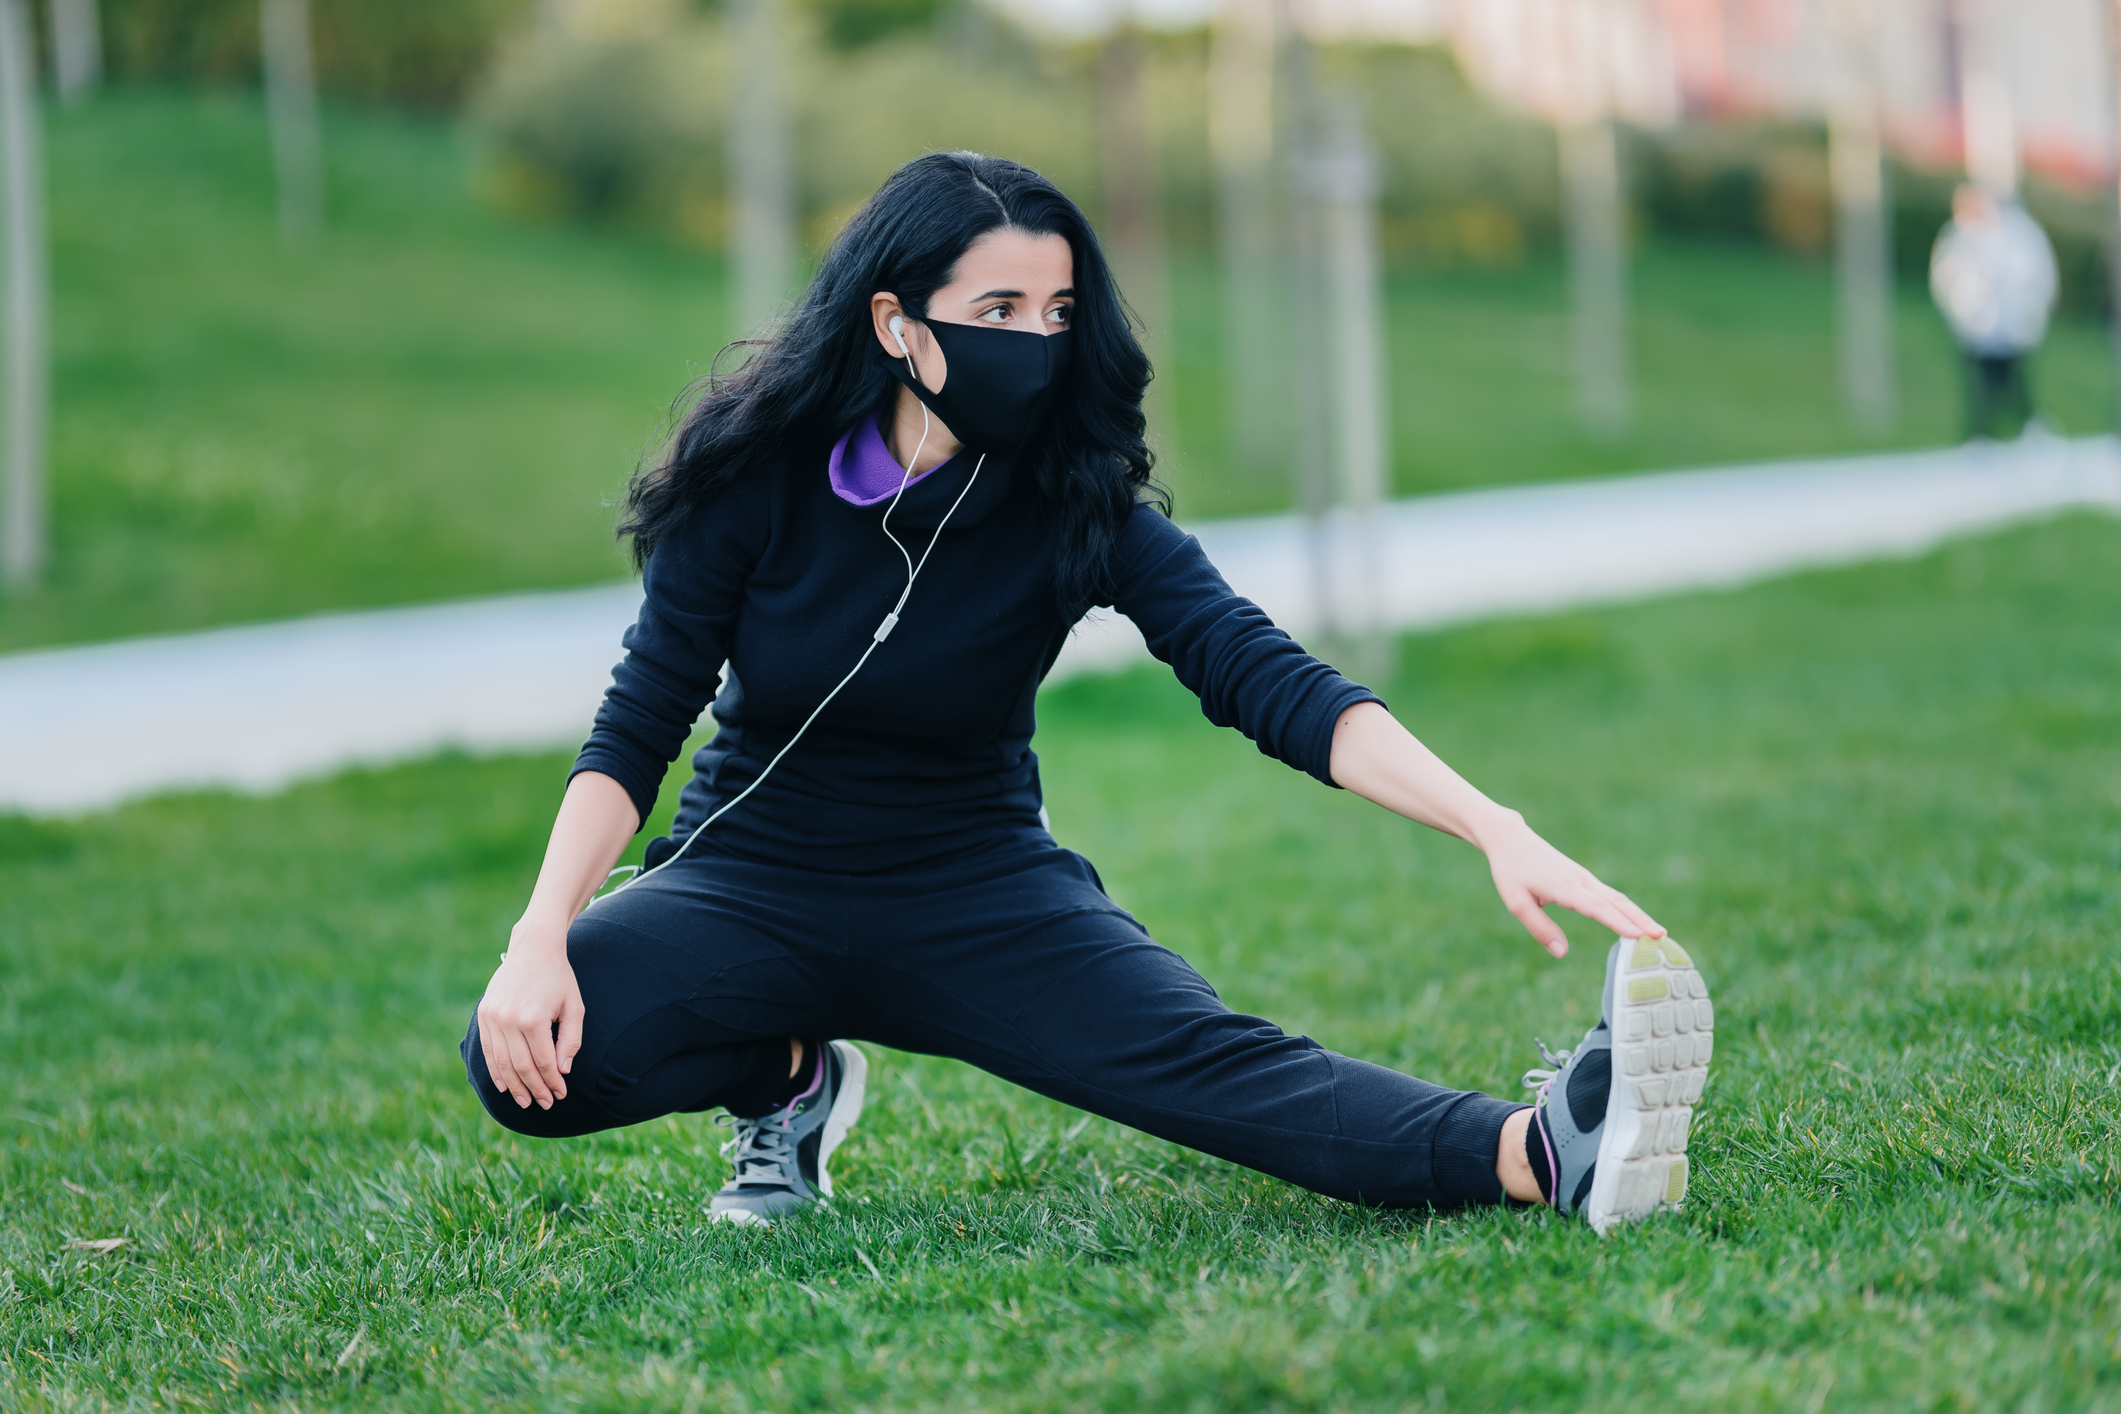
x=258 y=706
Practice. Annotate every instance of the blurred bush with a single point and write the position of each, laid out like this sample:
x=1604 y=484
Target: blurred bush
x=624 y=124
x=1465 y=180
x=620 y=125
x=850 y=24
x=1766 y=183
x=1747 y=181
x=627 y=124
x=414 y=53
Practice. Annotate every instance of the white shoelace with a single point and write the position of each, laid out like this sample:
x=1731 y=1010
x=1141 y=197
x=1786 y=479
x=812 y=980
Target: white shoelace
x=762 y=1150
x=1541 y=1079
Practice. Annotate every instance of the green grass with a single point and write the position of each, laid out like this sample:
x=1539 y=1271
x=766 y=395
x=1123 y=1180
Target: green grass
x=1880 y=804
x=427 y=402
x=432 y=401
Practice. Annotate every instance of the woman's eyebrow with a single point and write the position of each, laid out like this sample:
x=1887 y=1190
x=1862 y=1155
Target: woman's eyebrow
x=1068 y=293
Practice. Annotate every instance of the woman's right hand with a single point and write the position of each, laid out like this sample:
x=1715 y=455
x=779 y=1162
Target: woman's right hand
x=533 y=989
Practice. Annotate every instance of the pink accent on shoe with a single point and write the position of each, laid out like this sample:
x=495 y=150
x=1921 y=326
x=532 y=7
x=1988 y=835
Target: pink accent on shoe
x=1553 y=1163
x=817 y=1076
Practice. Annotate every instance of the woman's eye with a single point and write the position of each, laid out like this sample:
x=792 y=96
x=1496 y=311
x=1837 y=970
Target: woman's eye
x=997 y=315
x=1060 y=314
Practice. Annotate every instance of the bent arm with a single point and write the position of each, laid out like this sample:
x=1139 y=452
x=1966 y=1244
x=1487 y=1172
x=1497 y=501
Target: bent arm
x=1381 y=761
x=596 y=819
x=691 y=590
x=530 y=1020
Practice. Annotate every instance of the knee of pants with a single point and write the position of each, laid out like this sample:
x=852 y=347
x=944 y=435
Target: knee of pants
x=615 y=970
x=571 y=1116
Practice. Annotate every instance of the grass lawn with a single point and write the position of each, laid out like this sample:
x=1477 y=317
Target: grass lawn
x=432 y=401
x=427 y=402
x=1880 y=804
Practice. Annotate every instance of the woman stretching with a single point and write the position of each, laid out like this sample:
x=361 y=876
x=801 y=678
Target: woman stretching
x=882 y=527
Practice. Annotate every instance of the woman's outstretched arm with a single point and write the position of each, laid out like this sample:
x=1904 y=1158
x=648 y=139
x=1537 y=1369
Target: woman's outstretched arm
x=535 y=987
x=1381 y=761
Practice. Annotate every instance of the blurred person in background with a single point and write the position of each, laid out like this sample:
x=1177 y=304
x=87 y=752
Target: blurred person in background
x=949 y=428
x=1992 y=273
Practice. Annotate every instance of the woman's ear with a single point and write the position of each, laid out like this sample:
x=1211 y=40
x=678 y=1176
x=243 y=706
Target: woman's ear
x=884 y=308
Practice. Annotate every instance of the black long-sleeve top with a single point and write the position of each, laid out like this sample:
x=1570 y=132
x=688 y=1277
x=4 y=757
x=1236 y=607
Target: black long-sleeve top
x=926 y=755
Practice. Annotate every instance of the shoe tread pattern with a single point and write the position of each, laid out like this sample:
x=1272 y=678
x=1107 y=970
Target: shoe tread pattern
x=1663 y=1037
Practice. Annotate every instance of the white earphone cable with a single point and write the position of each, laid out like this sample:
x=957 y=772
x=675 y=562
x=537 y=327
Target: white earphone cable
x=635 y=872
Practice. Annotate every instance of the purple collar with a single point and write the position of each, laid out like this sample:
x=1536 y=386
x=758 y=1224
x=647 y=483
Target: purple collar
x=863 y=471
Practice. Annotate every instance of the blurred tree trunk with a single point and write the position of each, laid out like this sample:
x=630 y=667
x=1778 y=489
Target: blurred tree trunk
x=2113 y=197
x=1990 y=126
x=77 y=48
x=1307 y=334
x=1134 y=225
x=291 y=107
x=1863 y=244
x=1863 y=223
x=1345 y=182
x=762 y=205
x=27 y=374
x=1241 y=96
x=1598 y=273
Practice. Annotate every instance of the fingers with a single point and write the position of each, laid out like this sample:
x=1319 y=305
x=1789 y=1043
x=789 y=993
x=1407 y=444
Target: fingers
x=496 y=1053
x=1629 y=923
x=506 y=1059
x=1602 y=903
x=1525 y=909
x=542 y=1056
x=528 y=1082
x=1644 y=925
x=570 y=1031
x=1585 y=893
x=1539 y=874
x=527 y=1054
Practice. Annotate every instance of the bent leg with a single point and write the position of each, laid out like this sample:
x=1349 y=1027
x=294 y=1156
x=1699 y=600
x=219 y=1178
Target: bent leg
x=658 y=1035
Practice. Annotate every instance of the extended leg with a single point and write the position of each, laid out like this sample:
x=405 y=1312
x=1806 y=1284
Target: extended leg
x=1134 y=1033
x=1038 y=978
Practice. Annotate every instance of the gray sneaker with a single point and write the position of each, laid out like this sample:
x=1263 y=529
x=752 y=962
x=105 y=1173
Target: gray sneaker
x=1616 y=1145
x=781 y=1159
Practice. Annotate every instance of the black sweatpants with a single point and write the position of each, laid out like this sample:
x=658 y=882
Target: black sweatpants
x=1015 y=962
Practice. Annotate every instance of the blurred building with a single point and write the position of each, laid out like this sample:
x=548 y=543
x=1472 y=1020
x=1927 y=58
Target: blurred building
x=2028 y=80
x=2048 y=61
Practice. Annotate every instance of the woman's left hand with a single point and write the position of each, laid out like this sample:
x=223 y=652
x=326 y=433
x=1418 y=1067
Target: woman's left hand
x=1530 y=873
x=1380 y=760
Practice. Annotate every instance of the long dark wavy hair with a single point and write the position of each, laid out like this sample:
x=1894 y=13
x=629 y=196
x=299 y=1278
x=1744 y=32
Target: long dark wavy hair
x=818 y=371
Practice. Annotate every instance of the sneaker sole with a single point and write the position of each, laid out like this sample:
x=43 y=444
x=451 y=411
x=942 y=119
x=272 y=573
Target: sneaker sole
x=846 y=1108
x=740 y=1217
x=1663 y=1036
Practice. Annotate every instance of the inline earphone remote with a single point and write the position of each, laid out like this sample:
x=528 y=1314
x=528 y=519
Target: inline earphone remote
x=883 y=631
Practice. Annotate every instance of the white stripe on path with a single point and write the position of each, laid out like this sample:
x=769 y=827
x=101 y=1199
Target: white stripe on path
x=259 y=706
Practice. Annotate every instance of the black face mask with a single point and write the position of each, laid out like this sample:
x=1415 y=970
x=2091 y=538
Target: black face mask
x=999 y=385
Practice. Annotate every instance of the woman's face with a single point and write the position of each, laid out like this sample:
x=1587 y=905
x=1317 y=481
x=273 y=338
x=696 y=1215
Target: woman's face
x=1008 y=279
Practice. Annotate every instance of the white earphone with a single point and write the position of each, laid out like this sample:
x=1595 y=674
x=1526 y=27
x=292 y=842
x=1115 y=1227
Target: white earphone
x=634 y=872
